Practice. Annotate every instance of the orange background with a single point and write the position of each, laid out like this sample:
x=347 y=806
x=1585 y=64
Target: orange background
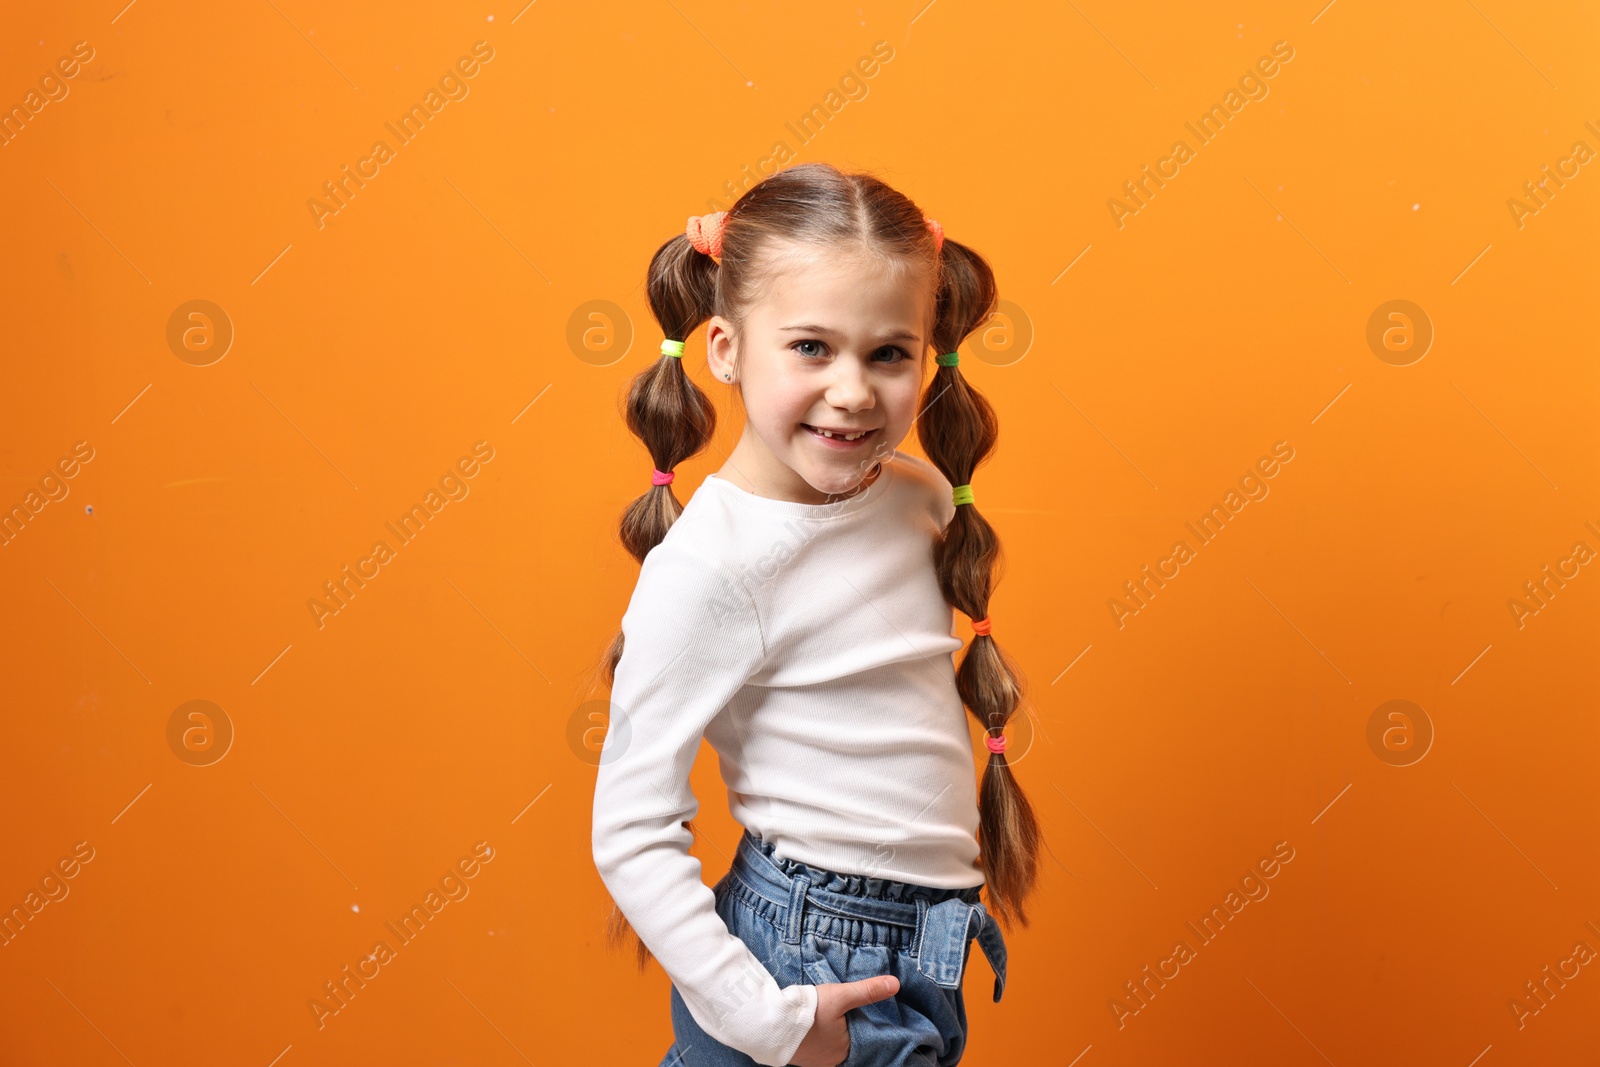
x=436 y=709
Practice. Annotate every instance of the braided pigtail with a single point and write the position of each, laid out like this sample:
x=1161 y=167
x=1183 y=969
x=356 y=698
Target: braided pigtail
x=674 y=418
x=665 y=408
x=958 y=430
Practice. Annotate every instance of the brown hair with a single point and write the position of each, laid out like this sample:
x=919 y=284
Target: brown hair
x=817 y=204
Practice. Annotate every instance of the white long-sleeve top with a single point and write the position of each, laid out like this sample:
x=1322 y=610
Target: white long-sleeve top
x=811 y=646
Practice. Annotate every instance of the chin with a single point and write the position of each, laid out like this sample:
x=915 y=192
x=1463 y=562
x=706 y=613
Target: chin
x=840 y=481
x=834 y=486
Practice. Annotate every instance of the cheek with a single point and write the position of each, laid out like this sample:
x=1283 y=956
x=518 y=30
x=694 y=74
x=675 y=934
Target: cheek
x=906 y=397
x=785 y=400
x=773 y=403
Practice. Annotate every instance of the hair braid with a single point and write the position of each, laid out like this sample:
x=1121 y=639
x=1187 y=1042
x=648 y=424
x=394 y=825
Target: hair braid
x=665 y=409
x=958 y=430
x=675 y=419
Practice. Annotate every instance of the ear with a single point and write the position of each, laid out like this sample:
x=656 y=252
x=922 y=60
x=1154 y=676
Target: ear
x=722 y=349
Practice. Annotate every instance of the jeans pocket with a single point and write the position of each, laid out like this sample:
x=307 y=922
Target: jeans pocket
x=922 y=1023
x=817 y=968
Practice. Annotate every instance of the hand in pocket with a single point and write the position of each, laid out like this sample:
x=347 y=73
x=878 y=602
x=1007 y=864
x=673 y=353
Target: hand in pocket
x=827 y=1043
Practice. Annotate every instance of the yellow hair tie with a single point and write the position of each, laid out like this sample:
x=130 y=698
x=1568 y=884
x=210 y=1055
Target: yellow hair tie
x=670 y=347
x=961 y=494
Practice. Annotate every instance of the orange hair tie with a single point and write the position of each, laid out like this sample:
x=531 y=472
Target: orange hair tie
x=981 y=626
x=938 y=234
x=705 y=232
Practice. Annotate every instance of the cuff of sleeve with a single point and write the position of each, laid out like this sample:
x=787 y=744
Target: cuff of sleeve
x=803 y=1013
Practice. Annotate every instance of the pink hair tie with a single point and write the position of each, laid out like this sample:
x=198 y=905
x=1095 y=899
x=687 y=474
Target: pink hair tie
x=996 y=744
x=705 y=232
x=661 y=477
x=938 y=234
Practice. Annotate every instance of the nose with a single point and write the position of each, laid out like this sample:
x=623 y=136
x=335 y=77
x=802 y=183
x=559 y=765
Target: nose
x=849 y=385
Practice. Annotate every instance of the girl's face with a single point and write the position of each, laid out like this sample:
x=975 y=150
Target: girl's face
x=836 y=344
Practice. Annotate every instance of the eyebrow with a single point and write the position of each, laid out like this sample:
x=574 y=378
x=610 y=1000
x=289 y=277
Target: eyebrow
x=902 y=335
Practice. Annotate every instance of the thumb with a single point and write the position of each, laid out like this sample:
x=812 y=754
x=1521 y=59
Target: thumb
x=869 y=990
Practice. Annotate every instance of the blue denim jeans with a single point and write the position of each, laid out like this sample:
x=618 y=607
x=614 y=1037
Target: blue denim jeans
x=808 y=925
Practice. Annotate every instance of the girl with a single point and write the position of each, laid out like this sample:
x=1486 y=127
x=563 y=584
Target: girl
x=797 y=614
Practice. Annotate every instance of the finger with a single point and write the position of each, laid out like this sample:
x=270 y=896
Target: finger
x=869 y=990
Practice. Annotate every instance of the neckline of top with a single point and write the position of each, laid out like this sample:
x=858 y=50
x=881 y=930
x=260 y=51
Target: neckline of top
x=814 y=512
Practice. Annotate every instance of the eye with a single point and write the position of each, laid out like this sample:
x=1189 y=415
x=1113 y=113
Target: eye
x=895 y=353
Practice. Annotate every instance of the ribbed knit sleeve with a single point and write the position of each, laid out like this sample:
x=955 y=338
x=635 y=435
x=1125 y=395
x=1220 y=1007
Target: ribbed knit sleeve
x=692 y=638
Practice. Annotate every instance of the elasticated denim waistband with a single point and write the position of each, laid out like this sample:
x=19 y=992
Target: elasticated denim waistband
x=756 y=860
x=935 y=925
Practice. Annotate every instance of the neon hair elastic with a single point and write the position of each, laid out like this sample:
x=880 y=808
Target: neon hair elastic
x=948 y=359
x=669 y=347
x=662 y=477
x=938 y=233
x=996 y=744
x=961 y=494
x=981 y=626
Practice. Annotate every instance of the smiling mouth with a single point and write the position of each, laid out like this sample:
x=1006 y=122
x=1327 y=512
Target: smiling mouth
x=840 y=436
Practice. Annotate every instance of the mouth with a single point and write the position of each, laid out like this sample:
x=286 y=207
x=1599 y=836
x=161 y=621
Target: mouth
x=839 y=438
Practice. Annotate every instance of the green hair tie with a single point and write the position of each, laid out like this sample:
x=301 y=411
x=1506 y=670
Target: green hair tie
x=948 y=359
x=670 y=347
x=961 y=494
